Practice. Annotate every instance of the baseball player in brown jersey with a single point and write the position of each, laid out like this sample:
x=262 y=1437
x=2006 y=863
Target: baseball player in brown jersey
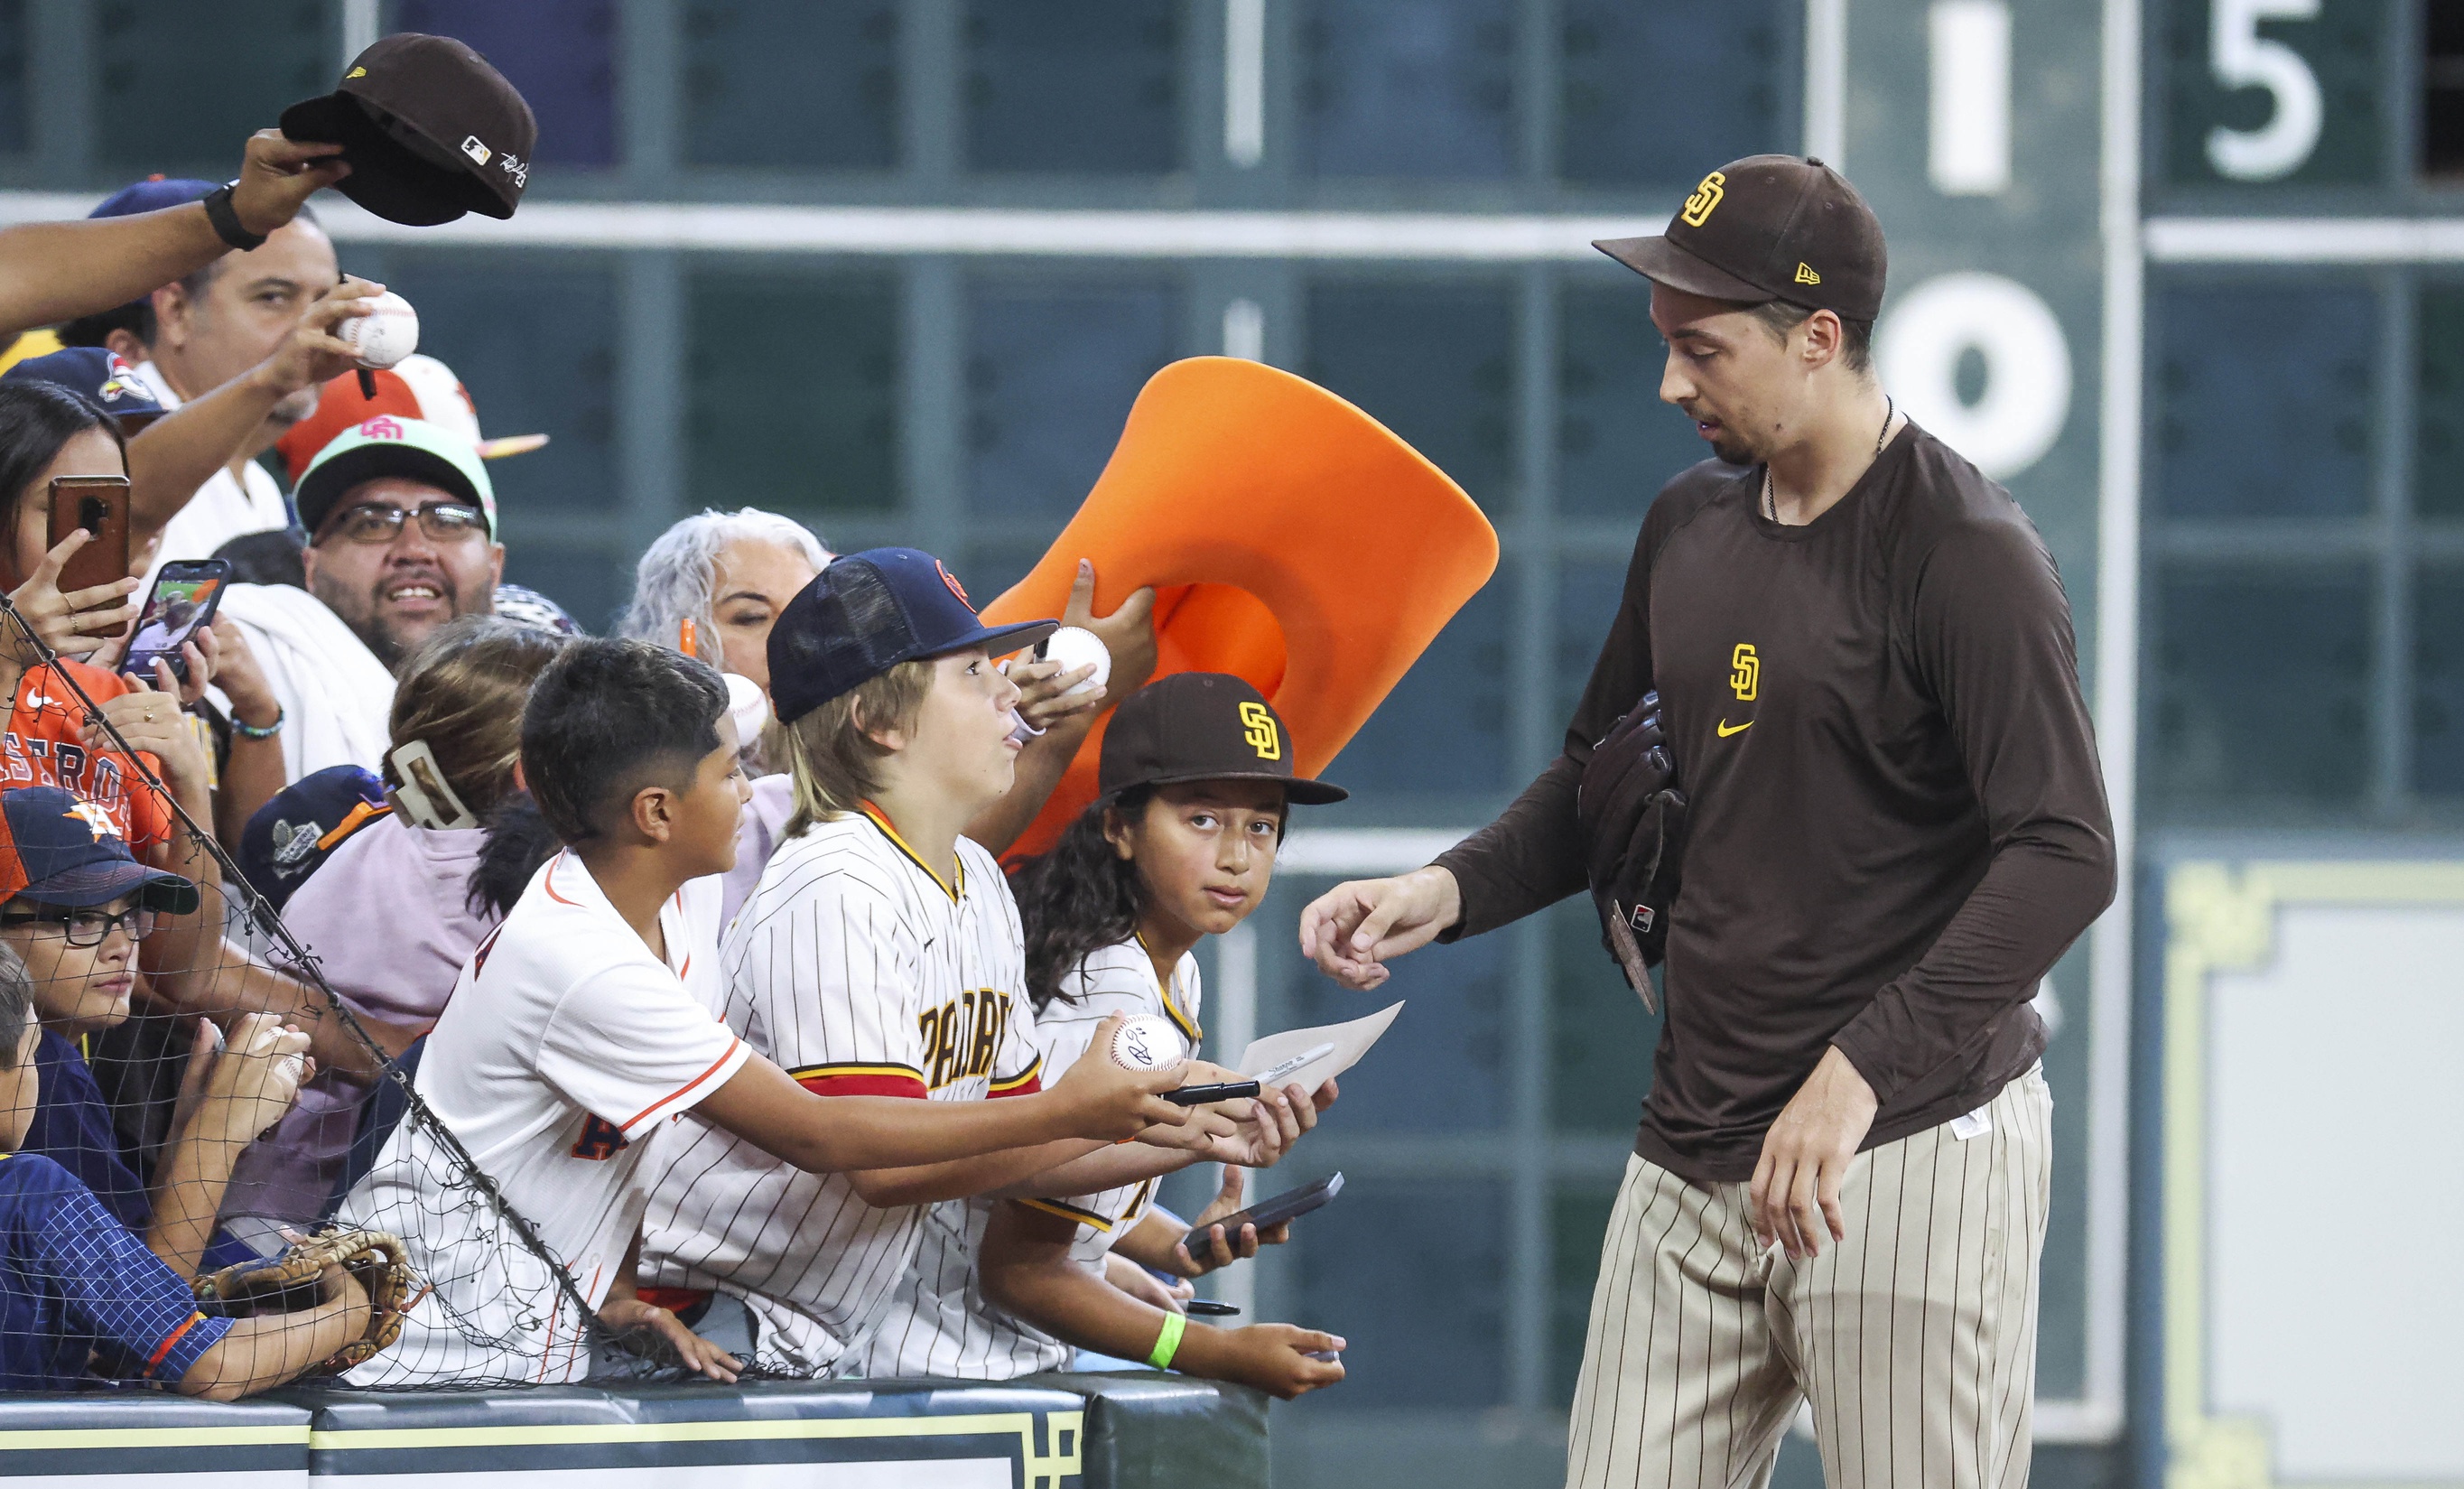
x=1870 y=691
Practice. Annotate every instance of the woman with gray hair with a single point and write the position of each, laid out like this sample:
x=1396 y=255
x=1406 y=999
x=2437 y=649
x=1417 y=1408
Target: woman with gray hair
x=714 y=584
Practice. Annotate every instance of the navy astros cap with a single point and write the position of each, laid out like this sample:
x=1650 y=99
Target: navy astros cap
x=101 y=376
x=65 y=851
x=289 y=836
x=866 y=613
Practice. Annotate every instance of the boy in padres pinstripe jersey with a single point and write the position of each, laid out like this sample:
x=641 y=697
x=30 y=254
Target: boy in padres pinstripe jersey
x=1196 y=783
x=879 y=955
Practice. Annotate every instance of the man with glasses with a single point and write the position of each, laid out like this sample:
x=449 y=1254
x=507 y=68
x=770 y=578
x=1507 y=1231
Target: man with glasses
x=402 y=538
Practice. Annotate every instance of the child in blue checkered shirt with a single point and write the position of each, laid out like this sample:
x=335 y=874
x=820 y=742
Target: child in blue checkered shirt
x=80 y=1296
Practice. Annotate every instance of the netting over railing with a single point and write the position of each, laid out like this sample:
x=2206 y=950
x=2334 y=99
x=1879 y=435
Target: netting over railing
x=203 y=1083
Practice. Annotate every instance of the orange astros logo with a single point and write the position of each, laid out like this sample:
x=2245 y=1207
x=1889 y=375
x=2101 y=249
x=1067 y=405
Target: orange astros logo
x=96 y=821
x=951 y=580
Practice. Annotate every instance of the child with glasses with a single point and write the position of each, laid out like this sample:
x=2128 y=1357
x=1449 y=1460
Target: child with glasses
x=80 y=1295
x=77 y=909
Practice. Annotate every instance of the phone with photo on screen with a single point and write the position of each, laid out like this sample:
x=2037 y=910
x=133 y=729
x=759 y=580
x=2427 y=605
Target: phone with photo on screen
x=185 y=597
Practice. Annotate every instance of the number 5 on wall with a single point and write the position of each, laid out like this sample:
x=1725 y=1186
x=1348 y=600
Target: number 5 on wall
x=2240 y=58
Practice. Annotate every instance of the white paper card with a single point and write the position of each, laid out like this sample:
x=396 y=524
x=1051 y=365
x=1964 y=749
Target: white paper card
x=1973 y=1124
x=1351 y=1041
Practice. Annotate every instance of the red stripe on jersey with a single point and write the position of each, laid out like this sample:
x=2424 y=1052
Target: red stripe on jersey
x=864 y=1086
x=1033 y=1084
x=175 y=1336
x=549 y=884
x=681 y=1092
x=676 y=1299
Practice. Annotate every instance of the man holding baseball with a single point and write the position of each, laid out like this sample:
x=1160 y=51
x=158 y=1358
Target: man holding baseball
x=1897 y=823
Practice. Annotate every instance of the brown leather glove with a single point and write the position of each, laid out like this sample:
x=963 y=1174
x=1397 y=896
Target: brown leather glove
x=1633 y=821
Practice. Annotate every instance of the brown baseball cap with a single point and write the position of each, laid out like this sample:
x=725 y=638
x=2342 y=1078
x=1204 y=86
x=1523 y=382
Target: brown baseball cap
x=1769 y=228
x=1202 y=726
x=431 y=130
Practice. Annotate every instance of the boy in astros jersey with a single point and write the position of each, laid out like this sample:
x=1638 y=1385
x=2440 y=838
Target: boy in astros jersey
x=879 y=955
x=581 y=1029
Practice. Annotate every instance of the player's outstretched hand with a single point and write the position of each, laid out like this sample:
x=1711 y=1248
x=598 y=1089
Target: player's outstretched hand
x=1354 y=928
x=624 y=1315
x=1277 y=1358
x=1113 y=1101
x=1795 y=1192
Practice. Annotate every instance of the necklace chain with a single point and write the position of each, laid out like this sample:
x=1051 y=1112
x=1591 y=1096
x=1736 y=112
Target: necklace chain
x=1890 y=411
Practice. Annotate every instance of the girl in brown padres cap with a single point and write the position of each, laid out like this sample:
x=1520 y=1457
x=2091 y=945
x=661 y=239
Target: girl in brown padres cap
x=1196 y=786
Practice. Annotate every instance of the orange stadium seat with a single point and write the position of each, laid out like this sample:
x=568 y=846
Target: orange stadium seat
x=1292 y=540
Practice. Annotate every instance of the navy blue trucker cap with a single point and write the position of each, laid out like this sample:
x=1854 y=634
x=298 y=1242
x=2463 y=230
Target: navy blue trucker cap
x=866 y=613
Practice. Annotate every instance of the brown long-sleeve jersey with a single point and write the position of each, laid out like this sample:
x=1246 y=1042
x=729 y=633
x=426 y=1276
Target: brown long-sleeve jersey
x=1898 y=819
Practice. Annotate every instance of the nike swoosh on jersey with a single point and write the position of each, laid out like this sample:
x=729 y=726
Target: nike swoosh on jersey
x=1725 y=729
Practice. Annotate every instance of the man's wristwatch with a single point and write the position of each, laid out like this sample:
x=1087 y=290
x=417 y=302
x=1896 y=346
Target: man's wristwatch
x=226 y=219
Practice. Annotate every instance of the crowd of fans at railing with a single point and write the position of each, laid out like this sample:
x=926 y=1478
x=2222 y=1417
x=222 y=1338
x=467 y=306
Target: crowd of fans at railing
x=420 y=768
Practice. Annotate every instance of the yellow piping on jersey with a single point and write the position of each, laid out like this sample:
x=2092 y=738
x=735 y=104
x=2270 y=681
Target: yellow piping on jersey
x=881 y=819
x=854 y=1068
x=1054 y=1207
x=1188 y=1026
x=1001 y=1087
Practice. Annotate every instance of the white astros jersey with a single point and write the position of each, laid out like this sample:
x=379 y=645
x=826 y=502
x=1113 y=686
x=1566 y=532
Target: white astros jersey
x=856 y=968
x=566 y=1049
x=939 y=1322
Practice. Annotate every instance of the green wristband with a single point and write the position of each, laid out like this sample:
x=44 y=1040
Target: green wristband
x=1168 y=1342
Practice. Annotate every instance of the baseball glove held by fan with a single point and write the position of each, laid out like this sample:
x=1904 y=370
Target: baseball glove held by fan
x=1633 y=821
x=294 y=1282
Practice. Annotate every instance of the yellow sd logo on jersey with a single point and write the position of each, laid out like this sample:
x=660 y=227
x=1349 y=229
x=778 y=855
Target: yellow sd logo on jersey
x=1707 y=196
x=1259 y=733
x=1745 y=672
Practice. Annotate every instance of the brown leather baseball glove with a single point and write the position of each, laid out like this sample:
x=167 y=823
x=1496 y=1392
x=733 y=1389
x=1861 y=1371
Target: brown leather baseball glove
x=297 y=1281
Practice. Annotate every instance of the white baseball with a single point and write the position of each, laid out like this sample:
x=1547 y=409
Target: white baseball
x=1146 y=1041
x=746 y=705
x=386 y=335
x=1075 y=648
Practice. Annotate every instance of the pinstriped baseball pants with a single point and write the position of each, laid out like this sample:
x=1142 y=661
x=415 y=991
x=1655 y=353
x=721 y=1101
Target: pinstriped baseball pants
x=1914 y=1341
